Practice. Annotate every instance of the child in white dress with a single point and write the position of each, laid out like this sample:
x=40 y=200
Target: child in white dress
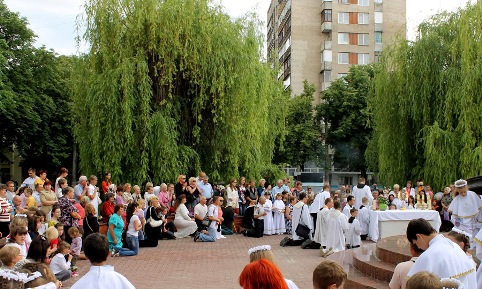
x=268 y=219
x=279 y=215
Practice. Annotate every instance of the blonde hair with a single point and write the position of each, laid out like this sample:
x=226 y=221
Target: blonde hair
x=19 y=221
x=142 y=203
x=192 y=179
x=51 y=233
x=90 y=210
x=126 y=185
x=424 y=280
x=262 y=254
x=154 y=198
x=84 y=200
x=8 y=253
x=396 y=186
x=73 y=231
x=136 y=188
x=179 y=178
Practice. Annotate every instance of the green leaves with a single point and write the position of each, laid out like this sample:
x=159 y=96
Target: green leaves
x=172 y=87
x=427 y=103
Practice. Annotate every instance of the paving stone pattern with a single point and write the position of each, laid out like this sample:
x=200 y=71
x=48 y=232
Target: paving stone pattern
x=186 y=264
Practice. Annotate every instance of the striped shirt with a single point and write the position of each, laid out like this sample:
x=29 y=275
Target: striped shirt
x=4 y=205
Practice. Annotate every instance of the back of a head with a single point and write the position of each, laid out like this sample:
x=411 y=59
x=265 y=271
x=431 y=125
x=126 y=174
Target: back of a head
x=262 y=274
x=38 y=249
x=96 y=248
x=328 y=273
x=424 y=280
x=419 y=226
x=337 y=205
x=261 y=252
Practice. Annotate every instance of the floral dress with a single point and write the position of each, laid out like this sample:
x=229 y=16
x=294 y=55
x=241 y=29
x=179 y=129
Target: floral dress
x=288 y=222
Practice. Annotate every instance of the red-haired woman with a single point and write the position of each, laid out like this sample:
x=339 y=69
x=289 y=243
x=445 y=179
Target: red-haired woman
x=262 y=274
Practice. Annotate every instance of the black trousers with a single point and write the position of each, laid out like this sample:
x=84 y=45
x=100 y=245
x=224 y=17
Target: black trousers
x=4 y=229
x=314 y=216
x=258 y=230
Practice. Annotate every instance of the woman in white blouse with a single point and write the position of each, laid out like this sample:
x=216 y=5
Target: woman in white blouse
x=232 y=193
x=184 y=223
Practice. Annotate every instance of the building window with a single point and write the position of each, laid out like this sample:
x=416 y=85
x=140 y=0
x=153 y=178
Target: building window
x=378 y=17
x=340 y=75
x=378 y=1
x=326 y=15
x=343 y=17
x=377 y=56
x=363 y=39
x=378 y=37
x=343 y=57
x=363 y=18
x=363 y=58
x=343 y=38
x=363 y=2
x=343 y=1
x=326 y=75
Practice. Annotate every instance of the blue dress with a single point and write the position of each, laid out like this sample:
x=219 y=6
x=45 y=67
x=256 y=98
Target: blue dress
x=118 y=223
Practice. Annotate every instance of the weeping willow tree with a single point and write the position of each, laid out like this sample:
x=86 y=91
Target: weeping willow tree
x=427 y=104
x=171 y=87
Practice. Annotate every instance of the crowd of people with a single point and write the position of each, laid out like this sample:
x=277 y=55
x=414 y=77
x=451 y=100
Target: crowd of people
x=49 y=223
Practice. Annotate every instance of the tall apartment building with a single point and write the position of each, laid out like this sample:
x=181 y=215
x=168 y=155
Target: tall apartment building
x=318 y=40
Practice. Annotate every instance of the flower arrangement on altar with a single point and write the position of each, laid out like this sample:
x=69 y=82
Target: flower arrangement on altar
x=382 y=203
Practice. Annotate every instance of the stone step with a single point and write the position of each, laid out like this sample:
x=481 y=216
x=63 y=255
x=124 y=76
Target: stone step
x=358 y=280
x=367 y=263
x=393 y=250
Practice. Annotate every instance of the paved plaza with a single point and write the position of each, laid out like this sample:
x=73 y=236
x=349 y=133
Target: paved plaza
x=186 y=264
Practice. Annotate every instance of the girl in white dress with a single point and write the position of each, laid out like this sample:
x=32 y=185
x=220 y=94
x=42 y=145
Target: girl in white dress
x=279 y=215
x=268 y=219
x=185 y=225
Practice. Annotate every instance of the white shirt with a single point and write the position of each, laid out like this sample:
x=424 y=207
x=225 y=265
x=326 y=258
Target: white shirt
x=156 y=190
x=321 y=226
x=213 y=212
x=101 y=277
x=337 y=226
x=364 y=218
x=206 y=190
x=445 y=259
x=36 y=196
x=29 y=182
x=201 y=210
x=147 y=196
x=10 y=195
x=58 y=263
x=354 y=231
x=131 y=229
x=360 y=193
x=95 y=201
x=346 y=210
x=301 y=213
x=319 y=201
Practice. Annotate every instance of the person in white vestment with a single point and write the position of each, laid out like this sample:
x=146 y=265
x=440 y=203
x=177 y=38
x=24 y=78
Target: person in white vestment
x=465 y=208
x=364 y=218
x=350 y=204
x=478 y=253
x=353 y=239
x=337 y=227
x=279 y=222
x=322 y=223
x=442 y=257
x=301 y=215
x=318 y=202
x=101 y=275
x=268 y=219
x=361 y=190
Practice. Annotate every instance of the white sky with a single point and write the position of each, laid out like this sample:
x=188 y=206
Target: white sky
x=53 y=21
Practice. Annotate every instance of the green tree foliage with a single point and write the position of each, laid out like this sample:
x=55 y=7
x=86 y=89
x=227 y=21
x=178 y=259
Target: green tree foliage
x=171 y=87
x=303 y=140
x=34 y=111
x=344 y=109
x=427 y=102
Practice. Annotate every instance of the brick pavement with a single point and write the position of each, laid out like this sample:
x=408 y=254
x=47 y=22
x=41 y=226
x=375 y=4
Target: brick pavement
x=186 y=264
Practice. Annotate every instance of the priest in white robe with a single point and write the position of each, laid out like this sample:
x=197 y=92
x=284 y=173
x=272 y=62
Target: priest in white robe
x=350 y=204
x=337 y=228
x=465 y=208
x=361 y=190
x=322 y=223
x=478 y=253
x=442 y=257
x=301 y=214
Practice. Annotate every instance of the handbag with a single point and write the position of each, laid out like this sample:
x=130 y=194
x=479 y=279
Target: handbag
x=154 y=223
x=206 y=222
x=302 y=230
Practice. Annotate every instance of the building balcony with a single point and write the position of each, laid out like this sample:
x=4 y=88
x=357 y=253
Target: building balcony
x=378 y=7
x=327 y=45
x=325 y=85
x=378 y=27
x=378 y=46
x=326 y=27
x=326 y=5
x=326 y=65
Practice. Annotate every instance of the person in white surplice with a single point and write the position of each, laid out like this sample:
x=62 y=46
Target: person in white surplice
x=301 y=215
x=442 y=257
x=337 y=227
x=279 y=215
x=364 y=218
x=318 y=202
x=96 y=249
x=353 y=239
x=350 y=204
x=268 y=219
x=361 y=190
x=322 y=223
x=465 y=208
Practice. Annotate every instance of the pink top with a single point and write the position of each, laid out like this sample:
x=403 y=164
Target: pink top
x=164 y=198
x=81 y=213
x=220 y=213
